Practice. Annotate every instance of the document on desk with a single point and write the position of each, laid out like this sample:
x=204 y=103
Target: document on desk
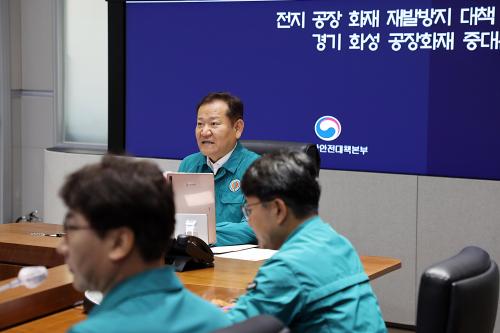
x=253 y=254
x=231 y=248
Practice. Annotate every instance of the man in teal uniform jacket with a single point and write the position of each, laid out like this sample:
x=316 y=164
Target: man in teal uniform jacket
x=315 y=282
x=117 y=230
x=219 y=125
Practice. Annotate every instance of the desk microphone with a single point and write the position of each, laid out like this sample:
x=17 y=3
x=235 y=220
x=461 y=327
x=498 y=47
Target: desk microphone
x=30 y=277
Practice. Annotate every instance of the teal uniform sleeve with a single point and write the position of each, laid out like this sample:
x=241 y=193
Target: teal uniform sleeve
x=314 y=283
x=84 y=329
x=153 y=301
x=230 y=233
x=275 y=291
x=232 y=227
x=182 y=166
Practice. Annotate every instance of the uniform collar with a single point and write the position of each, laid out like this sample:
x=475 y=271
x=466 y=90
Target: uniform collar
x=215 y=166
x=153 y=280
x=301 y=227
x=234 y=160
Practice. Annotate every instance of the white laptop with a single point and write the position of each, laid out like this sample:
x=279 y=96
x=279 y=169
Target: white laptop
x=194 y=198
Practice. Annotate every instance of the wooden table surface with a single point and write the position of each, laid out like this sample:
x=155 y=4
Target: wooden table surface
x=226 y=281
x=24 y=244
x=20 y=304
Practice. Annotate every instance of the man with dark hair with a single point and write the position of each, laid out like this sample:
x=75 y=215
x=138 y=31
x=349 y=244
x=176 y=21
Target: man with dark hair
x=315 y=282
x=219 y=125
x=118 y=227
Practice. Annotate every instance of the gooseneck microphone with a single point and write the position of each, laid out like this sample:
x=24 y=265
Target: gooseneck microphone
x=30 y=277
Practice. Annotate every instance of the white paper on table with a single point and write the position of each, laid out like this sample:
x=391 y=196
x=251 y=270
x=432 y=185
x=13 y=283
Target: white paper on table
x=250 y=254
x=232 y=248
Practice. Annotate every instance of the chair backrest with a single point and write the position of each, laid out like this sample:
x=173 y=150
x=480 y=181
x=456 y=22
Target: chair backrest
x=459 y=294
x=260 y=324
x=267 y=146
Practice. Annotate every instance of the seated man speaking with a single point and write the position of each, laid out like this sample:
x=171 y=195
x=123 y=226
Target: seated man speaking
x=219 y=125
x=117 y=230
x=315 y=282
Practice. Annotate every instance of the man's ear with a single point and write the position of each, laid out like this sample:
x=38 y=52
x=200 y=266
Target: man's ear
x=121 y=243
x=238 y=126
x=281 y=210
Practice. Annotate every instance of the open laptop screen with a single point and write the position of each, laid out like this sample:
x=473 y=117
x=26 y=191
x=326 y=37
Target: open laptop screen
x=194 y=197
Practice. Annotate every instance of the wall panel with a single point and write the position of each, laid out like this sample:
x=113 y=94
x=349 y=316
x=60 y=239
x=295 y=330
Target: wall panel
x=377 y=212
x=454 y=213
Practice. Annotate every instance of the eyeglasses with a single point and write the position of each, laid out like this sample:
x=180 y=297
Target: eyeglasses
x=68 y=227
x=247 y=211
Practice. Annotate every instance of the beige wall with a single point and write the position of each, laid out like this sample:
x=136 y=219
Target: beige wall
x=33 y=97
x=5 y=115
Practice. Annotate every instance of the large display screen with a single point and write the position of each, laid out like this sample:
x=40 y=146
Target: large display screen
x=386 y=86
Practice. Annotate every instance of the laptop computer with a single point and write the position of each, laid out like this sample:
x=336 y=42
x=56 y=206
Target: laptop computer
x=194 y=198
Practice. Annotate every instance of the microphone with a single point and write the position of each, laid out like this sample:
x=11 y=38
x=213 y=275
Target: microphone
x=30 y=277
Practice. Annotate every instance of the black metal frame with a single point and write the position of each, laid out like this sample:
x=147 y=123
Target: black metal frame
x=116 y=75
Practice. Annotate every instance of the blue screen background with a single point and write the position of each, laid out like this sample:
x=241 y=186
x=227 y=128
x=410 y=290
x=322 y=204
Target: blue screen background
x=424 y=112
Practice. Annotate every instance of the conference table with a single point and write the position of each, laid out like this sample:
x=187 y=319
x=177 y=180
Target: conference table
x=55 y=305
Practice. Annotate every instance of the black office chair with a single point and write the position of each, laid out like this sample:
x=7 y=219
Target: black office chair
x=459 y=294
x=267 y=146
x=258 y=324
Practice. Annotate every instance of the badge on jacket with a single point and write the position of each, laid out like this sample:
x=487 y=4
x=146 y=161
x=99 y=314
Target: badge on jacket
x=252 y=285
x=234 y=185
